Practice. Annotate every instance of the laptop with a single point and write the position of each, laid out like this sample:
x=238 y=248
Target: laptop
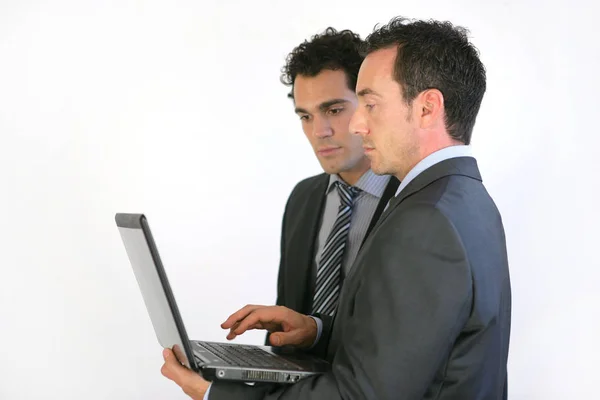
x=213 y=360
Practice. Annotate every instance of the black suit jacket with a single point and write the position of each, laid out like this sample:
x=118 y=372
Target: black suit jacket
x=425 y=311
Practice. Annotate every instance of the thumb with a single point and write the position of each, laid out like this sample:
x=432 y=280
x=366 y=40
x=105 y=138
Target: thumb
x=286 y=338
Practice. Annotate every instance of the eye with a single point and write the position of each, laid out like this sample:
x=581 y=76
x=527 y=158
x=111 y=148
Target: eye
x=335 y=111
x=369 y=106
x=303 y=117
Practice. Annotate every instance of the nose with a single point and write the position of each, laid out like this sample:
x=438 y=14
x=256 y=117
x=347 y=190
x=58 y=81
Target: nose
x=321 y=127
x=358 y=124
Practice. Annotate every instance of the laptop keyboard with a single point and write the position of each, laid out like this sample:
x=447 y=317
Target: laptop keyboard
x=248 y=356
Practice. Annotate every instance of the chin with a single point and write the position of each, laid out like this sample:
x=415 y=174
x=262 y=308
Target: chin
x=330 y=169
x=378 y=169
x=374 y=165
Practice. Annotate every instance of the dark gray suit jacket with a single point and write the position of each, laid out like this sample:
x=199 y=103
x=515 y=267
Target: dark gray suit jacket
x=425 y=311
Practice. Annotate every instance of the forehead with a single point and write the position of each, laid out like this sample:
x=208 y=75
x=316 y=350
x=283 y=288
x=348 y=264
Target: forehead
x=377 y=70
x=328 y=84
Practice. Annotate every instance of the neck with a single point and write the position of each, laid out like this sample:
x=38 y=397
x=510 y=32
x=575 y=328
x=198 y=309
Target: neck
x=352 y=176
x=424 y=151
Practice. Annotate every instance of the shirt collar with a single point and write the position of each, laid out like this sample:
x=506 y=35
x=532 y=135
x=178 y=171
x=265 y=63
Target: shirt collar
x=434 y=158
x=369 y=182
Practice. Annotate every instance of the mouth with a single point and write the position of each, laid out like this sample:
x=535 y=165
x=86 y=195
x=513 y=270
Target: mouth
x=326 y=151
x=368 y=149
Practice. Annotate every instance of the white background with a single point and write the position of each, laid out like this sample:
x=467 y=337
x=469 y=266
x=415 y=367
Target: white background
x=175 y=109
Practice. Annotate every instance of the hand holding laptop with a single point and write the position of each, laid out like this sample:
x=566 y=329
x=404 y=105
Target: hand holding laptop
x=192 y=364
x=189 y=381
x=287 y=326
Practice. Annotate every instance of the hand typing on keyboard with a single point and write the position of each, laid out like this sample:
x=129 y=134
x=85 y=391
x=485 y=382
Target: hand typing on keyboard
x=287 y=326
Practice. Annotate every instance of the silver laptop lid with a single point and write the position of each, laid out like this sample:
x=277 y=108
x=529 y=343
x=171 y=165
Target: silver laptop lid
x=154 y=286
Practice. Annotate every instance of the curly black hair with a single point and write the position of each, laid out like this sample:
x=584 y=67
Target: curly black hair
x=331 y=50
x=434 y=54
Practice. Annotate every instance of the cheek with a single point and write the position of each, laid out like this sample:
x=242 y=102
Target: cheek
x=376 y=118
x=341 y=131
x=383 y=125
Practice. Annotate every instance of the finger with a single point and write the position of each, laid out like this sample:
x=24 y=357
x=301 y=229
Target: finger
x=190 y=382
x=233 y=335
x=275 y=339
x=234 y=318
x=293 y=337
x=262 y=316
x=172 y=369
x=239 y=315
x=234 y=326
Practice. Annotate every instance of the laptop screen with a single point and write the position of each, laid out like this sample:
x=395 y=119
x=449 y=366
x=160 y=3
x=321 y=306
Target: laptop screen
x=153 y=285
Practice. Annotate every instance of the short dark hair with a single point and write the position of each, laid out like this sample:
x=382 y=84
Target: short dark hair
x=331 y=50
x=436 y=55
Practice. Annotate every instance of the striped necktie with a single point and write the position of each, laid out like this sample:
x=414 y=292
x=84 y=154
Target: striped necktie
x=329 y=271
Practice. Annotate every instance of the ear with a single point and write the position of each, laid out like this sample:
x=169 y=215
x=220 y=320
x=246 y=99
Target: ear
x=431 y=108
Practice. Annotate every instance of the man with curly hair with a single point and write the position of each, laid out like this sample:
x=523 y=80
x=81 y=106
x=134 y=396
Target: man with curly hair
x=328 y=216
x=425 y=312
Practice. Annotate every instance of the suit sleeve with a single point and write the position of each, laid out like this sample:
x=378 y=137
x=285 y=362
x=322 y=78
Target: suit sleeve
x=414 y=296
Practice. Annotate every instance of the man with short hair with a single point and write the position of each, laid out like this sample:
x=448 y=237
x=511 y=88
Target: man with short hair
x=425 y=311
x=327 y=216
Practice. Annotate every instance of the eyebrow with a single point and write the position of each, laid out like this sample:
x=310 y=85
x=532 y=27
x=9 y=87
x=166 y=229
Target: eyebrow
x=323 y=106
x=367 y=91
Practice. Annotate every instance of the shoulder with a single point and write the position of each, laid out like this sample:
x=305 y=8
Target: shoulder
x=446 y=212
x=304 y=192
x=306 y=187
x=310 y=182
x=425 y=218
x=422 y=221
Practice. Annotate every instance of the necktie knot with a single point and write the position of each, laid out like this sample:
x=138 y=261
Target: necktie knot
x=347 y=193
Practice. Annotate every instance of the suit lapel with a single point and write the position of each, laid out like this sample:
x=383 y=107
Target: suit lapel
x=466 y=166
x=305 y=237
x=388 y=193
